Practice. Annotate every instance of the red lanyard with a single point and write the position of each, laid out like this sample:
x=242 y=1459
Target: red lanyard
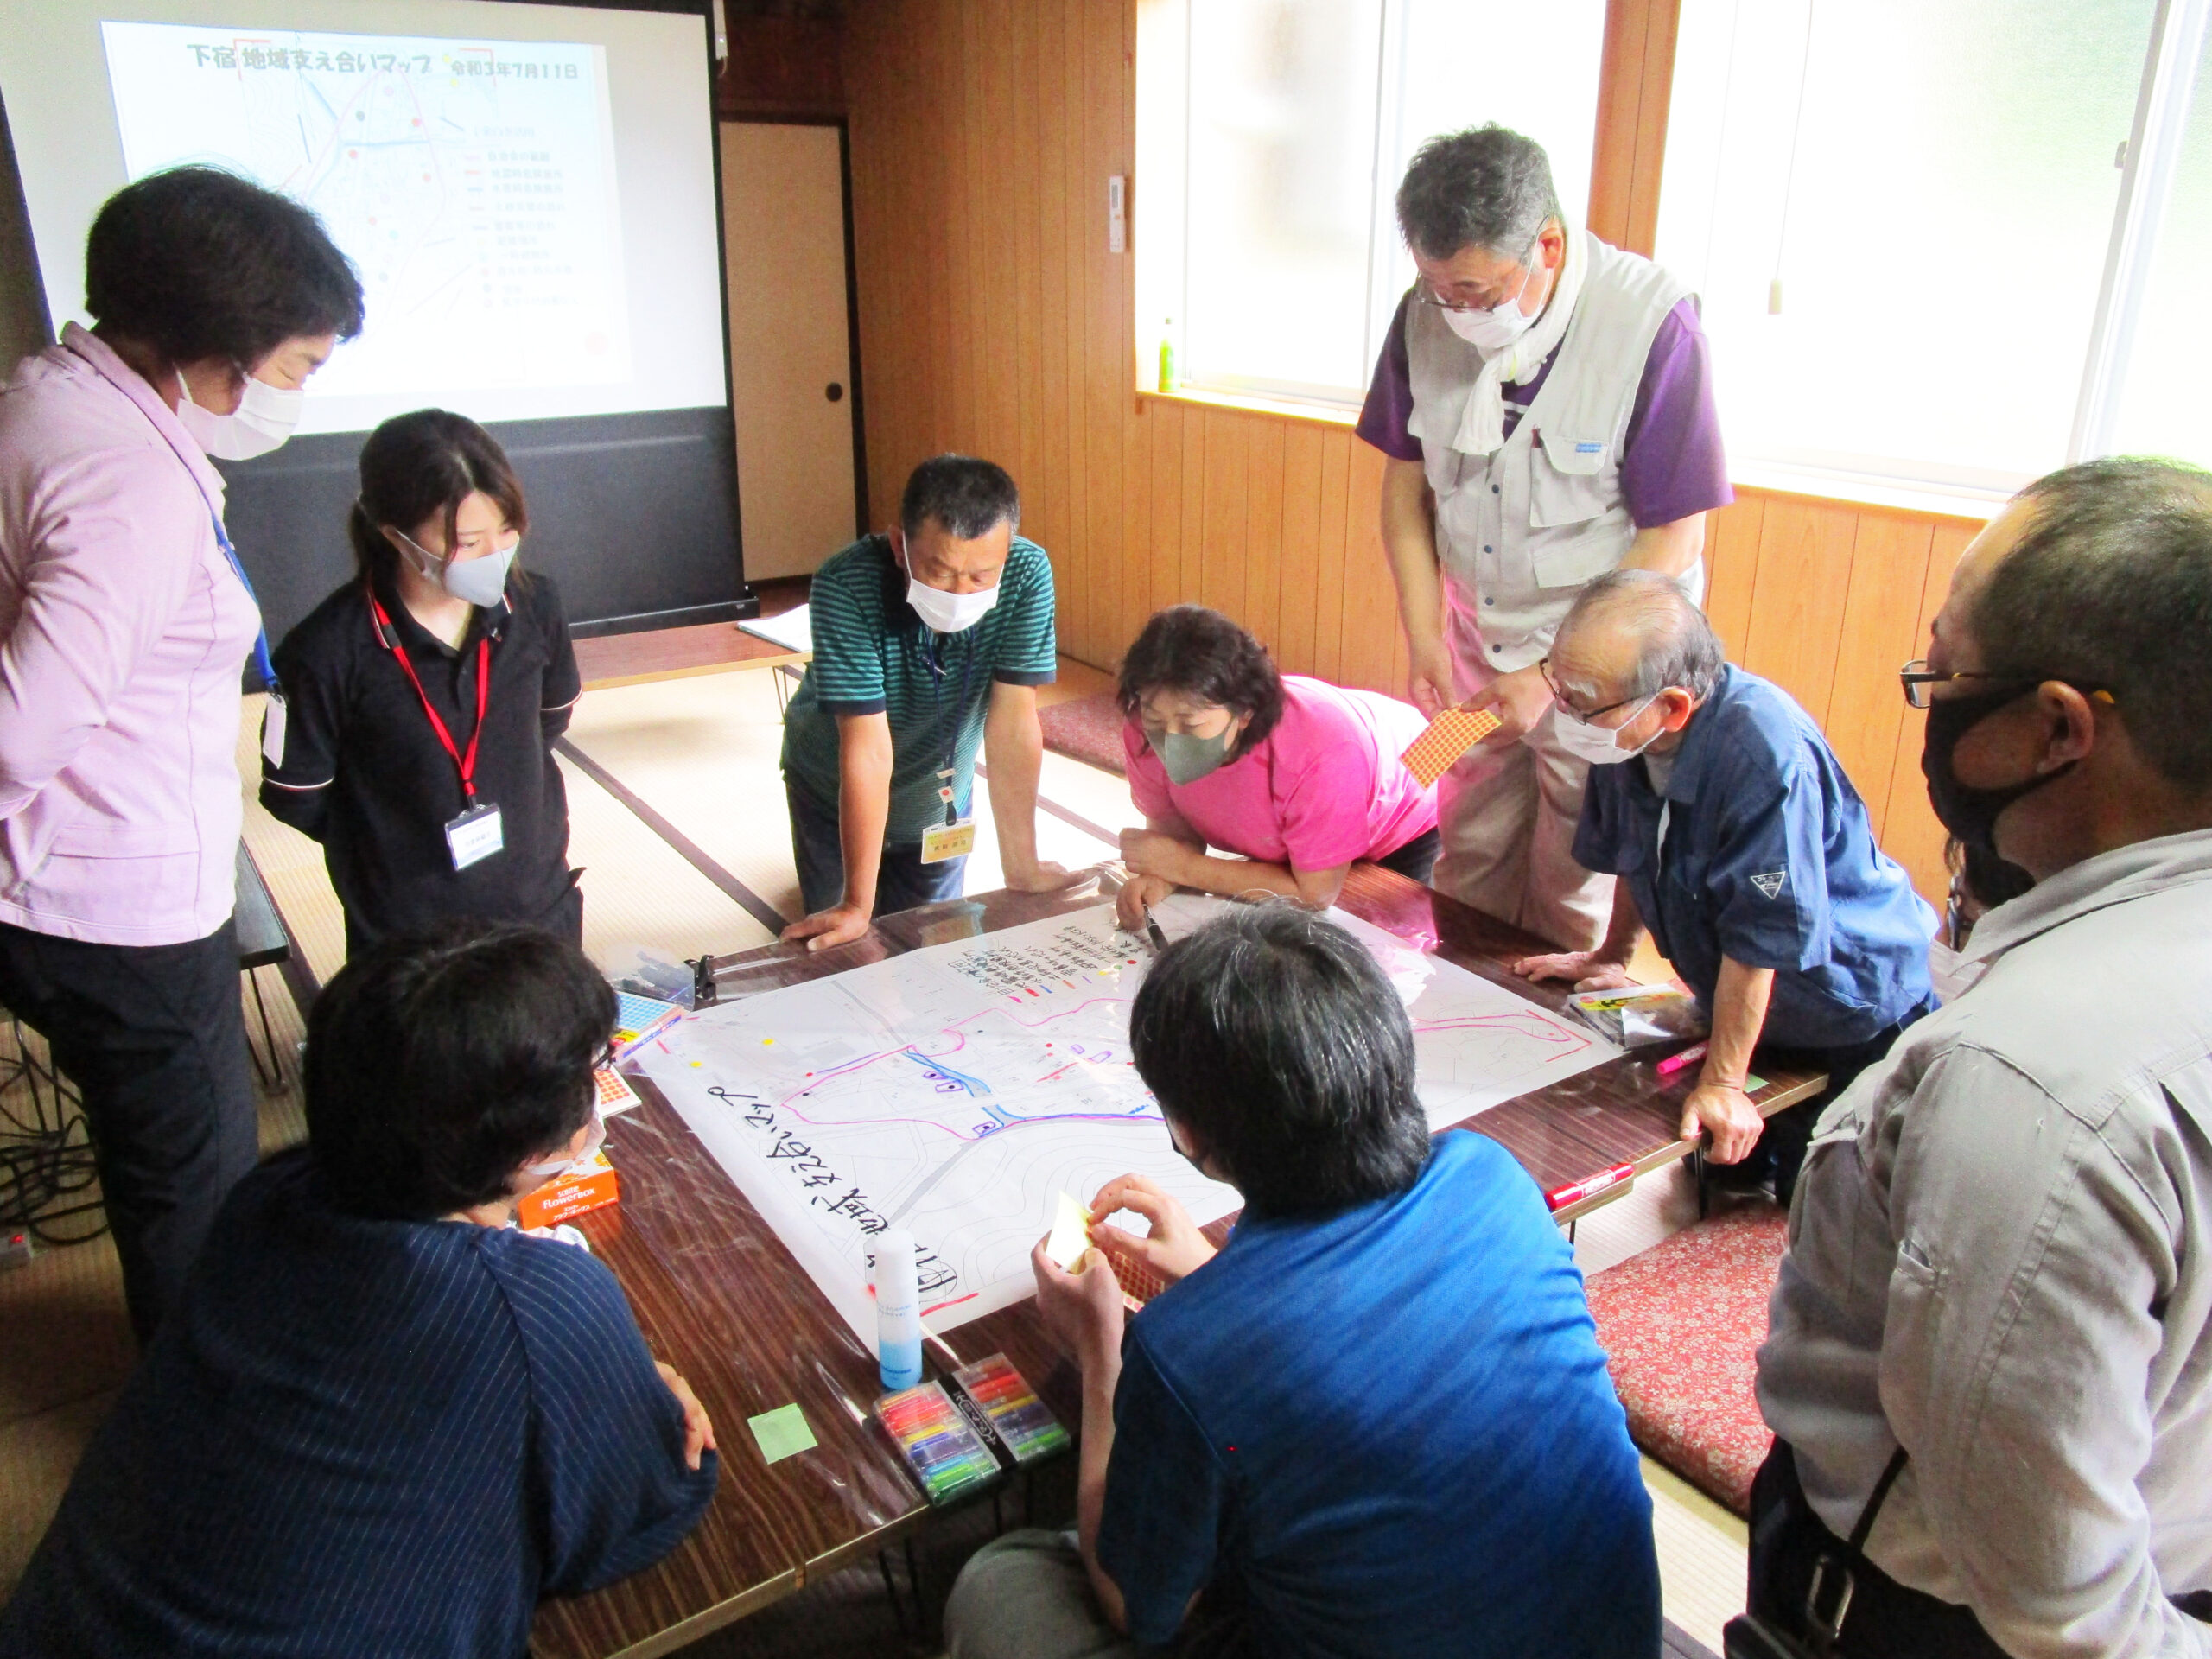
x=390 y=636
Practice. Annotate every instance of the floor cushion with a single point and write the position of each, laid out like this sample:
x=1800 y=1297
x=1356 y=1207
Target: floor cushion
x=1086 y=728
x=1680 y=1326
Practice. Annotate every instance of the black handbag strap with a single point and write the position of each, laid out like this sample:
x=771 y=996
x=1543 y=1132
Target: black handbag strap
x=1825 y=1627
x=1866 y=1527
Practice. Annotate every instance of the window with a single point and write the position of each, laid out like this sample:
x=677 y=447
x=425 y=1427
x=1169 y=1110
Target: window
x=1949 y=242
x=2162 y=407
x=1271 y=137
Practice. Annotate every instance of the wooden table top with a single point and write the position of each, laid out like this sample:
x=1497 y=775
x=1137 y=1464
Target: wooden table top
x=720 y=1298
x=676 y=653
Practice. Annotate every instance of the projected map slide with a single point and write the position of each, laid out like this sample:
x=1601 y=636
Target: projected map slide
x=471 y=181
x=958 y=1089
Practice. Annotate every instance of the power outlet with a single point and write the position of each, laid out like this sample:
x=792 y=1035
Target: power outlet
x=14 y=1249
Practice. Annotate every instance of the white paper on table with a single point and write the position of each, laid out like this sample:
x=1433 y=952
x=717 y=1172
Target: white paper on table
x=957 y=1090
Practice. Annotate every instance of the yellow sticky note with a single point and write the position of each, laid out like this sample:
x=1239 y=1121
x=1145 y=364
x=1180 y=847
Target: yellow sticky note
x=1071 y=1235
x=1450 y=735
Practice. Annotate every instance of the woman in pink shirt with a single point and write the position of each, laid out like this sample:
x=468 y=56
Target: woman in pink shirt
x=1296 y=778
x=125 y=619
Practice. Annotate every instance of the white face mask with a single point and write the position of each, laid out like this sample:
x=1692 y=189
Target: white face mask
x=1599 y=745
x=264 y=418
x=595 y=1137
x=1497 y=328
x=947 y=612
x=479 y=581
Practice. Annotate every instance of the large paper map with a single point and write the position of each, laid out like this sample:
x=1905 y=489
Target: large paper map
x=958 y=1090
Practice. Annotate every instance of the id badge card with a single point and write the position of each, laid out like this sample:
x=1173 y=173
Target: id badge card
x=475 y=835
x=273 y=731
x=944 y=841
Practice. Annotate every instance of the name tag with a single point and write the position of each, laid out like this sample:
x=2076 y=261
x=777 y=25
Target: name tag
x=475 y=835
x=944 y=840
x=272 y=732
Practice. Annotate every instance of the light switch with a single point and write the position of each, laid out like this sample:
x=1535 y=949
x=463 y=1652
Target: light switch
x=1117 y=214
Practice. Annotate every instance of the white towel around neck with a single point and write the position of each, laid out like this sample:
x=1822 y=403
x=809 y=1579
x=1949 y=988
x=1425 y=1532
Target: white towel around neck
x=1482 y=424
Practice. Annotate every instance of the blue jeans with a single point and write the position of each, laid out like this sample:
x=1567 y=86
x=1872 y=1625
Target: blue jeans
x=902 y=880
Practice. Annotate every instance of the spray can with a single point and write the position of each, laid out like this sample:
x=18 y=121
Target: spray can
x=1167 y=355
x=898 y=1310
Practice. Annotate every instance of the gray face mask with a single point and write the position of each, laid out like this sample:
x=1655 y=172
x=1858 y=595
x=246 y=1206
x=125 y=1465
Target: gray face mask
x=481 y=580
x=1188 y=759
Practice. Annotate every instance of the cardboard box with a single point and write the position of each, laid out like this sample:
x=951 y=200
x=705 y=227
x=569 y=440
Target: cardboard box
x=590 y=1188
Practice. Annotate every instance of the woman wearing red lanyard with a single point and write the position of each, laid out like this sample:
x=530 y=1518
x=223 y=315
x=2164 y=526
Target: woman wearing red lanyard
x=424 y=696
x=124 y=622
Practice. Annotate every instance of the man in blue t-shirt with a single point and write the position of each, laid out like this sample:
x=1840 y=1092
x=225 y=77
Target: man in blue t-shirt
x=1742 y=846
x=1377 y=1422
x=929 y=644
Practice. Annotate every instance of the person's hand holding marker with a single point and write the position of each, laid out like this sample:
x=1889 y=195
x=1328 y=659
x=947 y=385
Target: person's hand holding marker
x=1134 y=901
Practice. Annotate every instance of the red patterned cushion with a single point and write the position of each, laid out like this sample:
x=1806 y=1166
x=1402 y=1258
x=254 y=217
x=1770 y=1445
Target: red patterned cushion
x=1087 y=728
x=1680 y=1326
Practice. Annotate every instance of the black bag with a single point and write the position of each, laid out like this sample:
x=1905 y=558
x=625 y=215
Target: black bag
x=1748 y=1636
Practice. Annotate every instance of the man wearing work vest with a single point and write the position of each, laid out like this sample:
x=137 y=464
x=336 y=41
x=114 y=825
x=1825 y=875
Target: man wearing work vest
x=1546 y=405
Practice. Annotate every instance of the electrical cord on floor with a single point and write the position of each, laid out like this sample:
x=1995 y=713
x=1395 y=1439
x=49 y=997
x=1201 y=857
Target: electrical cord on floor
x=46 y=1161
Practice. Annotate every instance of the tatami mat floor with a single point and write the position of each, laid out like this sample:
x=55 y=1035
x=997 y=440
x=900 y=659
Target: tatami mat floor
x=66 y=1344
x=700 y=753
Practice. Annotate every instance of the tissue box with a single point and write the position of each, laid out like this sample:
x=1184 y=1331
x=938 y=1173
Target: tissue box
x=588 y=1188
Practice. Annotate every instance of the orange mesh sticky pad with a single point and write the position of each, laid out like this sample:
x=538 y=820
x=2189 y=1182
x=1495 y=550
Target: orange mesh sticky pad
x=1139 y=1284
x=1450 y=735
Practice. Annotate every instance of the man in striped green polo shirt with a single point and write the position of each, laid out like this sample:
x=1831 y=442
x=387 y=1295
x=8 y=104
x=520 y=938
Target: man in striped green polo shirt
x=927 y=641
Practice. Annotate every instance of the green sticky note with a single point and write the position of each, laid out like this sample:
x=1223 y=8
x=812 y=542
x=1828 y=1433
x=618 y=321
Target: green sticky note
x=782 y=1433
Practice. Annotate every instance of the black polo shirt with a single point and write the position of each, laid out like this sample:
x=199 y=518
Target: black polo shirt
x=365 y=774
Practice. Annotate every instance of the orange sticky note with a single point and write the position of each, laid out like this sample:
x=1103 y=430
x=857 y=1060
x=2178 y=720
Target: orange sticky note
x=1450 y=735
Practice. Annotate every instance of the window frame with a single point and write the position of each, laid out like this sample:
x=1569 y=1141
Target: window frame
x=2148 y=159
x=1635 y=90
x=1162 y=138
x=2171 y=67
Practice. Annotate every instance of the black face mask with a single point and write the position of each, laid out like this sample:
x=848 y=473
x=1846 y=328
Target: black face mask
x=1992 y=881
x=1971 y=814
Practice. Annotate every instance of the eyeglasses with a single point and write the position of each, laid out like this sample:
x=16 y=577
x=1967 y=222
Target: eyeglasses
x=1424 y=298
x=1422 y=294
x=1916 y=679
x=1559 y=697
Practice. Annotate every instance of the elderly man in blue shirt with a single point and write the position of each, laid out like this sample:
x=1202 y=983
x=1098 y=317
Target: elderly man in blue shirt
x=1745 y=850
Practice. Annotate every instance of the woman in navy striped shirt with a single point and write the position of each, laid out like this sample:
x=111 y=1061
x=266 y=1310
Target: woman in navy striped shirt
x=382 y=1421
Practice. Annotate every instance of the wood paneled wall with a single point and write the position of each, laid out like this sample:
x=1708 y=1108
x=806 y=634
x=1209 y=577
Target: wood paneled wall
x=993 y=321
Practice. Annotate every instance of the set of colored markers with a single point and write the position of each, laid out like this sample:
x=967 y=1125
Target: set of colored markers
x=961 y=1434
x=999 y=1402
